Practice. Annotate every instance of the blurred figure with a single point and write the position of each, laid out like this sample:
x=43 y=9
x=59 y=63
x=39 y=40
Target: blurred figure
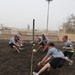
x=20 y=39
x=14 y=43
x=55 y=57
x=38 y=39
x=68 y=49
x=44 y=41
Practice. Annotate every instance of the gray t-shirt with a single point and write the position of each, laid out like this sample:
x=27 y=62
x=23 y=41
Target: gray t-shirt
x=55 y=53
x=45 y=41
x=69 y=44
x=12 y=40
x=39 y=38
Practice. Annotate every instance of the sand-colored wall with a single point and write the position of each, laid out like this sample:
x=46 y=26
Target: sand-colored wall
x=27 y=34
x=26 y=37
x=8 y=32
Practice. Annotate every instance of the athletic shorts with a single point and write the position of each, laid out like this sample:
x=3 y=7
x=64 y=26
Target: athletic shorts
x=11 y=45
x=43 y=44
x=57 y=63
x=68 y=54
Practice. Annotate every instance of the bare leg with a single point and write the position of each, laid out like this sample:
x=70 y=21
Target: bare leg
x=67 y=59
x=18 y=43
x=48 y=69
x=44 y=68
x=21 y=43
x=16 y=49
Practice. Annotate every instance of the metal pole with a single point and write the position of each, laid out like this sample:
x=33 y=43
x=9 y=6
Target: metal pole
x=31 y=72
x=47 y=18
x=33 y=28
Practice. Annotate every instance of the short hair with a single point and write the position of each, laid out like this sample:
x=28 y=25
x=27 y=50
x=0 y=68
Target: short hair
x=51 y=44
x=66 y=36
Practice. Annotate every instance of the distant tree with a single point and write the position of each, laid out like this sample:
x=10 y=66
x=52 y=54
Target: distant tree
x=69 y=25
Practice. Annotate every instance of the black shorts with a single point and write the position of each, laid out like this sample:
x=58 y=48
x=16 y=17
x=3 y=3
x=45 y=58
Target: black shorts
x=57 y=63
x=11 y=45
x=68 y=54
x=42 y=43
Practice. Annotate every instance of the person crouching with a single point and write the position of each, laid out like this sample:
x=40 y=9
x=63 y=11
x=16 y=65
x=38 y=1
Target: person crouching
x=13 y=43
x=55 y=57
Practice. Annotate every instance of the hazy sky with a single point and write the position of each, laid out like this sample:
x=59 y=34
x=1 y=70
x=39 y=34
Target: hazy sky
x=20 y=13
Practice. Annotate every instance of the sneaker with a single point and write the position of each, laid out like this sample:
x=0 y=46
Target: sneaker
x=34 y=73
x=71 y=63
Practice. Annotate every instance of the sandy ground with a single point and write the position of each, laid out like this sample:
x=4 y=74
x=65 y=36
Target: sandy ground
x=12 y=63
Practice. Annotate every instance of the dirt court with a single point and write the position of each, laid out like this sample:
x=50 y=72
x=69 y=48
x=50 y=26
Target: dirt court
x=12 y=63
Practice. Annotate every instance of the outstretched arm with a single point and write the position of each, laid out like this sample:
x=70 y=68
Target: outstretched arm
x=49 y=58
x=43 y=61
x=67 y=48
